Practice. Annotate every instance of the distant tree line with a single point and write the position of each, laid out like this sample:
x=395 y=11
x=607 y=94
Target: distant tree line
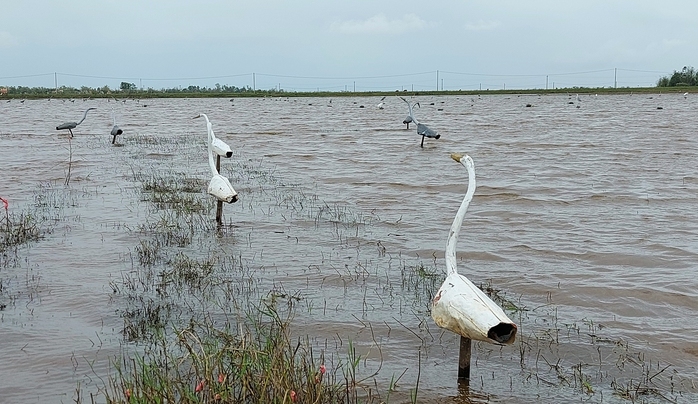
x=686 y=77
x=126 y=90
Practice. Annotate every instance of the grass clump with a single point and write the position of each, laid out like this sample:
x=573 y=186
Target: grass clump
x=174 y=190
x=252 y=361
x=19 y=229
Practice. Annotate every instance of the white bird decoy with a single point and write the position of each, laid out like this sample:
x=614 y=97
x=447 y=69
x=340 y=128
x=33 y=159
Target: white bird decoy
x=219 y=186
x=115 y=131
x=219 y=146
x=72 y=125
x=422 y=129
x=459 y=305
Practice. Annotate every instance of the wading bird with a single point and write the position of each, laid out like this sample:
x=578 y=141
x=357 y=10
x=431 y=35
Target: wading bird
x=219 y=186
x=422 y=129
x=459 y=305
x=72 y=125
x=380 y=105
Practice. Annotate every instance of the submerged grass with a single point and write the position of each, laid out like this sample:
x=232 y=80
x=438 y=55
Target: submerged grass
x=19 y=229
x=32 y=223
x=205 y=320
x=254 y=361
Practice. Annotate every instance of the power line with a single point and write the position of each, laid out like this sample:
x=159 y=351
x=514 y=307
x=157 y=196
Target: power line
x=346 y=78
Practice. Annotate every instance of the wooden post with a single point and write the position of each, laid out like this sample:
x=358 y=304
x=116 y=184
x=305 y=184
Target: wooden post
x=464 y=358
x=219 y=206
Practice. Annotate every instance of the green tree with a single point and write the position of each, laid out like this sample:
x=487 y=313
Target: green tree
x=686 y=77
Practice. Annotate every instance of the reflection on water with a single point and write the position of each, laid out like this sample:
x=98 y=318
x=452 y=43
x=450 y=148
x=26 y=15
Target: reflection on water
x=584 y=212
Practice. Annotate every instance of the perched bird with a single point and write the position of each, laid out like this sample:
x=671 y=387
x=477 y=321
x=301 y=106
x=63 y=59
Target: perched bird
x=72 y=125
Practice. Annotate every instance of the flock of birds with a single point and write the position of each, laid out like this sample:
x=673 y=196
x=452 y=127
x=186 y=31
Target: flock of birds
x=220 y=186
x=115 y=130
x=459 y=305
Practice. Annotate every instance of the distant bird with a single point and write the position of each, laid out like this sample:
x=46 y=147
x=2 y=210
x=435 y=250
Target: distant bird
x=115 y=131
x=422 y=129
x=71 y=125
x=685 y=95
x=380 y=105
x=410 y=117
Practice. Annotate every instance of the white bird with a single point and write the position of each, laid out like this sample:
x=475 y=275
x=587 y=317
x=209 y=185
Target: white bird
x=459 y=305
x=380 y=105
x=685 y=95
x=72 y=125
x=115 y=131
x=219 y=186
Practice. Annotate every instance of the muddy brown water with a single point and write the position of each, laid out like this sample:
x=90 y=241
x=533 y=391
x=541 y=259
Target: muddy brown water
x=585 y=213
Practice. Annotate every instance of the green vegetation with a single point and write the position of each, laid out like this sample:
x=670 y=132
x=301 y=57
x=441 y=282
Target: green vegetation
x=253 y=361
x=678 y=83
x=686 y=77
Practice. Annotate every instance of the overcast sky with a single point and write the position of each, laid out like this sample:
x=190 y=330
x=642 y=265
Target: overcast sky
x=304 y=45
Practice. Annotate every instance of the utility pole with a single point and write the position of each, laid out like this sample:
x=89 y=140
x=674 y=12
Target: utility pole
x=546 y=81
x=437 y=80
x=55 y=80
x=254 y=83
x=615 y=77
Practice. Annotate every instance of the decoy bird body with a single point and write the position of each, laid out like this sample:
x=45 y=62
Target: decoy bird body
x=72 y=125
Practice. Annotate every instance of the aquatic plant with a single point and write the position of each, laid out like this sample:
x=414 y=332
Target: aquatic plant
x=251 y=361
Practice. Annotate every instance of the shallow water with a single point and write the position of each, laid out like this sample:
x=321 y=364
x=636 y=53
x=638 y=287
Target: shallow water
x=586 y=211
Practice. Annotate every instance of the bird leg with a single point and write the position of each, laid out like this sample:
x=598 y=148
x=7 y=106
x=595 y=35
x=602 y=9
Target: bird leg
x=71 y=132
x=422 y=145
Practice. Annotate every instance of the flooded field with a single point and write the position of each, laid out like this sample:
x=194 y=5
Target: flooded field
x=583 y=226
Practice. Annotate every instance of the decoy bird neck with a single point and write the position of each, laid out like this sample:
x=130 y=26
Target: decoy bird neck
x=450 y=256
x=84 y=116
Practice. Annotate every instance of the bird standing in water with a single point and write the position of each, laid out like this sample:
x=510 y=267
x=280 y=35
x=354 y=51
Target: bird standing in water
x=72 y=125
